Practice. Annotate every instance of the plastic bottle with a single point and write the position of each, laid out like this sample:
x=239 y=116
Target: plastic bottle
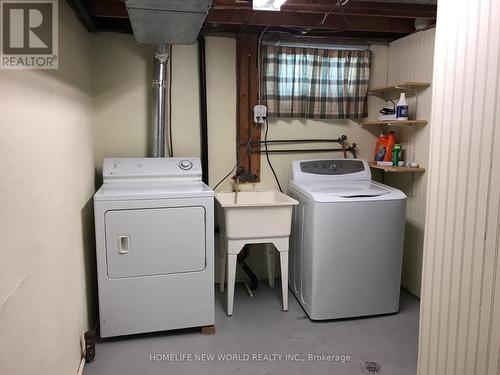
x=396 y=150
x=391 y=141
x=402 y=108
x=381 y=147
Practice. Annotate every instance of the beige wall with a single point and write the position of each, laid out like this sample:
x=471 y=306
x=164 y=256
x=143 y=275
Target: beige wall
x=121 y=72
x=460 y=308
x=46 y=241
x=221 y=103
x=411 y=59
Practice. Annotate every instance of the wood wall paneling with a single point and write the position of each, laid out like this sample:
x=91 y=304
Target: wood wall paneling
x=460 y=308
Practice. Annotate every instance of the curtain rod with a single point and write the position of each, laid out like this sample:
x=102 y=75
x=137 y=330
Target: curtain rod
x=316 y=45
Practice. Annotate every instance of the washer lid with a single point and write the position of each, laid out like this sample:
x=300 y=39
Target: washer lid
x=158 y=190
x=347 y=191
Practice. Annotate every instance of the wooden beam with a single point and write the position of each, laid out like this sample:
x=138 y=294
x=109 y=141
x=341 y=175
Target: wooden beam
x=354 y=8
x=311 y=20
x=252 y=83
x=119 y=25
x=329 y=37
x=248 y=168
x=107 y=8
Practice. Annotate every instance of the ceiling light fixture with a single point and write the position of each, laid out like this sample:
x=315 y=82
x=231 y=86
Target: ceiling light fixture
x=273 y=5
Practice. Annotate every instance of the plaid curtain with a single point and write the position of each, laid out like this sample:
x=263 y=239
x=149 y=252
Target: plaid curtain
x=315 y=83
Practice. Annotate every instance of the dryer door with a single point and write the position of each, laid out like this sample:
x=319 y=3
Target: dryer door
x=155 y=241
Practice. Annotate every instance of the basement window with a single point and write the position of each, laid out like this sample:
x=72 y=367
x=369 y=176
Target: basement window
x=316 y=83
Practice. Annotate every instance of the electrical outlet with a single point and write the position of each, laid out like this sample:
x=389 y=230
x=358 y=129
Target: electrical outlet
x=259 y=113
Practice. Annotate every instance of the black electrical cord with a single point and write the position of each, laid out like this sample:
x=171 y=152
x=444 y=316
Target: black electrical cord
x=267 y=156
x=226 y=176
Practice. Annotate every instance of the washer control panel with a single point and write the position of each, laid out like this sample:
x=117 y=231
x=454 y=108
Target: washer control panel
x=332 y=167
x=332 y=170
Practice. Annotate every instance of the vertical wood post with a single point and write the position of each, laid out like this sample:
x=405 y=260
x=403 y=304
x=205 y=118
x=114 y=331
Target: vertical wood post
x=246 y=60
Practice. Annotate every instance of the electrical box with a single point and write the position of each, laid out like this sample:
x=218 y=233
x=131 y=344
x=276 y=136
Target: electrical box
x=259 y=113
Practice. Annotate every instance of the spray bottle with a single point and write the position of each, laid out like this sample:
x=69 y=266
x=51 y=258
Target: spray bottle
x=402 y=108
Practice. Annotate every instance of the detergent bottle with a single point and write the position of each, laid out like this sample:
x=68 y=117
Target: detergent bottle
x=383 y=148
x=391 y=141
x=380 y=149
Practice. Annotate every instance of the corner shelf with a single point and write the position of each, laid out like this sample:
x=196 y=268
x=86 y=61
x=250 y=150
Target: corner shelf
x=402 y=86
x=392 y=169
x=393 y=122
x=386 y=93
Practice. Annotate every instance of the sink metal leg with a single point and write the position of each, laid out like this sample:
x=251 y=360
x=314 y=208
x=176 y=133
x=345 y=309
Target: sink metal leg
x=284 y=278
x=282 y=246
x=231 y=275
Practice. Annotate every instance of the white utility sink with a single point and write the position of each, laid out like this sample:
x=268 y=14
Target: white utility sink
x=256 y=214
x=250 y=217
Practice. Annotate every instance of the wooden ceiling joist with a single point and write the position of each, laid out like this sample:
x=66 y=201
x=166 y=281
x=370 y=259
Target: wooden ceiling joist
x=107 y=8
x=358 y=18
x=310 y=21
x=353 y=8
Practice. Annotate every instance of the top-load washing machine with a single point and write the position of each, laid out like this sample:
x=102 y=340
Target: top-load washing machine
x=154 y=243
x=346 y=244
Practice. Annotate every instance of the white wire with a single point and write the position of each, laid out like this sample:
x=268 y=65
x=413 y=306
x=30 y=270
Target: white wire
x=339 y=4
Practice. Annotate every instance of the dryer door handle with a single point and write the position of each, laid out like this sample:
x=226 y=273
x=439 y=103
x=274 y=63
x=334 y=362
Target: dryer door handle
x=123 y=244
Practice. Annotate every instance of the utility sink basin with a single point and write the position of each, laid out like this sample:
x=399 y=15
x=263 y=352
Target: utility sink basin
x=255 y=214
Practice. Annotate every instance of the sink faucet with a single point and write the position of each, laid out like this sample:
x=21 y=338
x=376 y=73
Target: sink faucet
x=243 y=176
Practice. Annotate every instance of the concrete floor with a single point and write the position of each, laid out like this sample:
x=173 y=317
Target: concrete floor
x=259 y=327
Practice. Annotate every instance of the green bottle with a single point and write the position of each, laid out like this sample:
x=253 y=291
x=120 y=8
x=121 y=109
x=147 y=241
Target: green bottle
x=396 y=151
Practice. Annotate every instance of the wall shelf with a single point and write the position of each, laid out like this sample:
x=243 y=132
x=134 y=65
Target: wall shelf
x=394 y=122
x=392 y=169
x=402 y=86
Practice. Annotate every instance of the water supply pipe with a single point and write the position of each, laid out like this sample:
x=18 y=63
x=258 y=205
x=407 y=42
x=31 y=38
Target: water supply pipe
x=158 y=146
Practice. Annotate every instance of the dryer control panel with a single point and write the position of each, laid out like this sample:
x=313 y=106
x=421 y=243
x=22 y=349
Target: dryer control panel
x=330 y=170
x=117 y=170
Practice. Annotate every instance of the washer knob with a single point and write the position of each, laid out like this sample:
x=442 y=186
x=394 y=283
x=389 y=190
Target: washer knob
x=185 y=165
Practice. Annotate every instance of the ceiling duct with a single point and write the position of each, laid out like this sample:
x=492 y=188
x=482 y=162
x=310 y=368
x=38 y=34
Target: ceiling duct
x=167 y=22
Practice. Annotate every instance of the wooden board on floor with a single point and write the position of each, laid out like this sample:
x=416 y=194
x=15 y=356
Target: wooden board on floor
x=208 y=330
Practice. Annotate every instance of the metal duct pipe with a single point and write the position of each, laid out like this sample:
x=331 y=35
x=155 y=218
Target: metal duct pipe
x=160 y=65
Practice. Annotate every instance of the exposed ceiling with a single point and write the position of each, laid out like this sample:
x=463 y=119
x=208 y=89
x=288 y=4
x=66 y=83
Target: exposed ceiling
x=360 y=19
x=403 y=1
